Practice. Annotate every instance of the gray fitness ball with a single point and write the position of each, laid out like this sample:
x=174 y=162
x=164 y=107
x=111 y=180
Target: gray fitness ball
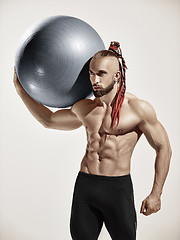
x=52 y=60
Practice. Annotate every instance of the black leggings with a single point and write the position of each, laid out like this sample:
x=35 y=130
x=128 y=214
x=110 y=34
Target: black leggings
x=98 y=199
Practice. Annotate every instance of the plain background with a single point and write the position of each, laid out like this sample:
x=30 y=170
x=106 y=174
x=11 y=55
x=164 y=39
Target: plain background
x=39 y=166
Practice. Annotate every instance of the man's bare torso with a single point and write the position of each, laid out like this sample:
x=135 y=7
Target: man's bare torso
x=108 y=153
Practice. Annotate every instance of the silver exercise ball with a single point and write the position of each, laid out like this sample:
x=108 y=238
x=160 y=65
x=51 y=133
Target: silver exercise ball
x=52 y=60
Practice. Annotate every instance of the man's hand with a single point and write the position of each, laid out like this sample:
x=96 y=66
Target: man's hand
x=151 y=204
x=17 y=84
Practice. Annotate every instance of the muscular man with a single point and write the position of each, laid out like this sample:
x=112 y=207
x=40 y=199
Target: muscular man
x=114 y=121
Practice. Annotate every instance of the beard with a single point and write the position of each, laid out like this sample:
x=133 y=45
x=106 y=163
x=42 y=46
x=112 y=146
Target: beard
x=103 y=91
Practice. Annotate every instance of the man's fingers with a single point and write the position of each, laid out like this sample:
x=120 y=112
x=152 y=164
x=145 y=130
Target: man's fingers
x=143 y=206
x=15 y=76
x=150 y=211
x=14 y=70
x=150 y=205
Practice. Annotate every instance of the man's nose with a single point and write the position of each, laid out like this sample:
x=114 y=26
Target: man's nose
x=96 y=79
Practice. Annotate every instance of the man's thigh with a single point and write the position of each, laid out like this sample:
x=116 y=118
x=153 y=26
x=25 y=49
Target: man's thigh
x=118 y=210
x=86 y=221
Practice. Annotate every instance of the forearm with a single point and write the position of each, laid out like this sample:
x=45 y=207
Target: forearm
x=162 y=164
x=39 y=111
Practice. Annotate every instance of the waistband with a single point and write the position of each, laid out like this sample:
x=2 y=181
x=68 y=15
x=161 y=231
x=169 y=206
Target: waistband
x=103 y=177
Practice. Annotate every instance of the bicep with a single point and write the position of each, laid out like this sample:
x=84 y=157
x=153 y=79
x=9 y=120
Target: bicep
x=155 y=134
x=64 y=119
x=153 y=130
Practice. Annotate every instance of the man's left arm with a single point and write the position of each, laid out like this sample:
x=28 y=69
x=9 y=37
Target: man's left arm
x=157 y=137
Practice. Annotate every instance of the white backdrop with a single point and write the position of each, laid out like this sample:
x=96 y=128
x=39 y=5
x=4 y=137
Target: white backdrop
x=38 y=166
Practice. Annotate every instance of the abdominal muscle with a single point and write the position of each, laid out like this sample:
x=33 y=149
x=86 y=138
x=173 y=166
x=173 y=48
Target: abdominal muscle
x=108 y=155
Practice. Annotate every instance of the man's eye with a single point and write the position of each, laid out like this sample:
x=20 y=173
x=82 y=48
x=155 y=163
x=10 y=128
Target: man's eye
x=100 y=74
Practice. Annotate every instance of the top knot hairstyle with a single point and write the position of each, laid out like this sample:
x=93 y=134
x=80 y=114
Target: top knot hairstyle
x=114 y=50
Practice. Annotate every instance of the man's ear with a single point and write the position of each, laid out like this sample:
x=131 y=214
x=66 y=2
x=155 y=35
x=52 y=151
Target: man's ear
x=117 y=76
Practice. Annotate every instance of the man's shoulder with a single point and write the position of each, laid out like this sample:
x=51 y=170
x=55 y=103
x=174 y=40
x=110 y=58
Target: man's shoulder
x=80 y=105
x=143 y=109
x=83 y=102
x=135 y=102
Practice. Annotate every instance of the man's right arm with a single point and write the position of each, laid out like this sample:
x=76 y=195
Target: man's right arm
x=64 y=119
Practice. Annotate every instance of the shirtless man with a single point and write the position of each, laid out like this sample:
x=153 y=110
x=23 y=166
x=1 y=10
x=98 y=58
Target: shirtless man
x=103 y=189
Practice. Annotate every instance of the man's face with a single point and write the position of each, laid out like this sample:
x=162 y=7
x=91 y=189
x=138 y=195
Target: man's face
x=103 y=73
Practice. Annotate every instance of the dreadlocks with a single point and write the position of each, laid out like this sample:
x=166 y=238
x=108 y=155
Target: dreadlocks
x=119 y=98
x=115 y=51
